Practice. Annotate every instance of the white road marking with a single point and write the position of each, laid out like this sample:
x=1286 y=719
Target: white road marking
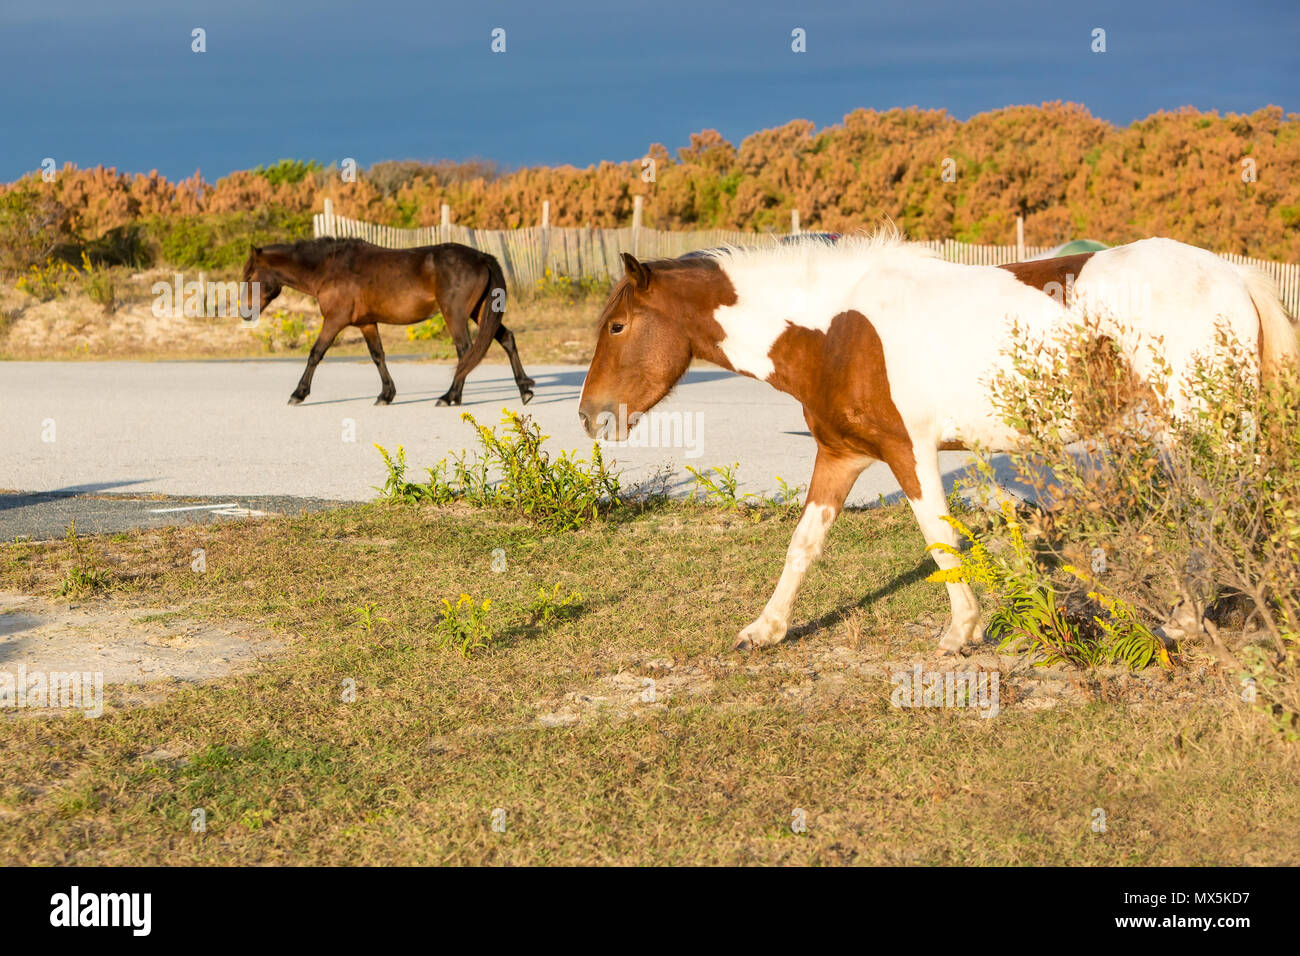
x=167 y=511
x=191 y=507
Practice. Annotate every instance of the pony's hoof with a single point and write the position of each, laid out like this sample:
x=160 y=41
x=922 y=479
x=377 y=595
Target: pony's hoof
x=526 y=396
x=955 y=641
x=762 y=633
x=296 y=399
x=384 y=400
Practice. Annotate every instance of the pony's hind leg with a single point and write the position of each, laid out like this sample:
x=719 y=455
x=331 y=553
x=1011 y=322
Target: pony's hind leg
x=329 y=330
x=833 y=477
x=376 y=344
x=458 y=325
x=522 y=381
x=930 y=509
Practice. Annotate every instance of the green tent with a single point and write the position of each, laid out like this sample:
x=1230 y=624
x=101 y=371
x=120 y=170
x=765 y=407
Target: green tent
x=1076 y=246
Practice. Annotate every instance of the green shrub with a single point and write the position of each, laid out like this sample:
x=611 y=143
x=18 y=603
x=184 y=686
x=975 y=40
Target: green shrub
x=121 y=246
x=46 y=282
x=220 y=242
x=550 y=606
x=567 y=290
x=426 y=331
x=98 y=285
x=464 y=625
x=33 y=227
x=288 y=171
x=721 y=489
x=720 y=486
x=558 y=494
x=1031 y=617
x=284 y=331
x=1199 y=512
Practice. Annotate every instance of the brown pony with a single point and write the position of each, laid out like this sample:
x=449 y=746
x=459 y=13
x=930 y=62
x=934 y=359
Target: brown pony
x=891 y=351
x=360 y=284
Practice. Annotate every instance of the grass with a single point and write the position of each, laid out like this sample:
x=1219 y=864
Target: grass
x=538 y=722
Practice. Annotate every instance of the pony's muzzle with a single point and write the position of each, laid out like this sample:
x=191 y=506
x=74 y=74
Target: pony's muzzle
x=603 y=425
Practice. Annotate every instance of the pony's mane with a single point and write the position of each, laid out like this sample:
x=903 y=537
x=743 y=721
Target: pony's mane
x=794 y=258
x=623 y=287
x=887 y=240
x=313 y=252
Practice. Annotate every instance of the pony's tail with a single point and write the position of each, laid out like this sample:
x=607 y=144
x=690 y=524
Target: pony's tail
x=1278 y=345
x=489 y=319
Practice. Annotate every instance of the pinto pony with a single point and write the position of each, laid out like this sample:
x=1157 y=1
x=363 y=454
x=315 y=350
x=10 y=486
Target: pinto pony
x=360 y=284
x=891 y=349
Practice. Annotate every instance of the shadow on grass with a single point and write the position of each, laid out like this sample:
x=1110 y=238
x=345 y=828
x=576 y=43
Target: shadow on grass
x=900 y=581
x=534 y=626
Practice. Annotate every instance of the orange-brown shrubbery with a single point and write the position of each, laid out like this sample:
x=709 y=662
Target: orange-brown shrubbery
x=1177 y=174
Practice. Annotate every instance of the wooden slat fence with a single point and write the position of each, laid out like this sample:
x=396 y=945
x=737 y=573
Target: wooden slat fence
x=526 y=254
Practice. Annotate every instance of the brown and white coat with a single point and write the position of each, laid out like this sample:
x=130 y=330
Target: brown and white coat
x=891 y=351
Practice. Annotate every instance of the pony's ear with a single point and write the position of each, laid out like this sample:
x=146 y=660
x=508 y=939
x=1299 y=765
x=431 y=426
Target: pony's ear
x=255 y=250
x=637 y=270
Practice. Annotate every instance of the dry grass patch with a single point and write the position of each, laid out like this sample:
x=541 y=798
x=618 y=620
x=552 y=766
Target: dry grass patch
x=288 y=770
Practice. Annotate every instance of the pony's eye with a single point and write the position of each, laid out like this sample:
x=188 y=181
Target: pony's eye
x=615 y=328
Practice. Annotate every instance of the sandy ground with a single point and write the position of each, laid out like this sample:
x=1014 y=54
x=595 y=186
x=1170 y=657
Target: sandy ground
x=74 y=326
x=122 y=646
x=1021 y=685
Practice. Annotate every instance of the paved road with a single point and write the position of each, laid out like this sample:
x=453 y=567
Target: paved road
x=42 y=516
x=223 y=430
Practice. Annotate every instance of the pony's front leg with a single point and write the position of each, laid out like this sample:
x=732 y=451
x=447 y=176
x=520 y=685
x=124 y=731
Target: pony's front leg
x=930 y=509
x=832 y=479
x=328 y=332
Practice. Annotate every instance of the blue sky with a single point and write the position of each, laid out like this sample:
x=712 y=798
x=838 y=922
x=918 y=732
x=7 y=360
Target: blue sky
x=117 y=84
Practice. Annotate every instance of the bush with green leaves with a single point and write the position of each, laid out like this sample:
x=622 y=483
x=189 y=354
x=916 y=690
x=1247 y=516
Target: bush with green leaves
x=220 y=242
x=1191 y=520
x=432 y=328
x=550 y=606
x=721 y=487
x=288 y=171
x=1048 y=619
x=464 y=625
x=47 y=281
x=97 y=283
x=513 y=471
x=569 y=290
x=285 y=331
x=33 y=227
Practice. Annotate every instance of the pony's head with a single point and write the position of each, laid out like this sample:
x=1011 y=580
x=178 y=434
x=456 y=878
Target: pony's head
x=643 y=346
x=255 y=298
